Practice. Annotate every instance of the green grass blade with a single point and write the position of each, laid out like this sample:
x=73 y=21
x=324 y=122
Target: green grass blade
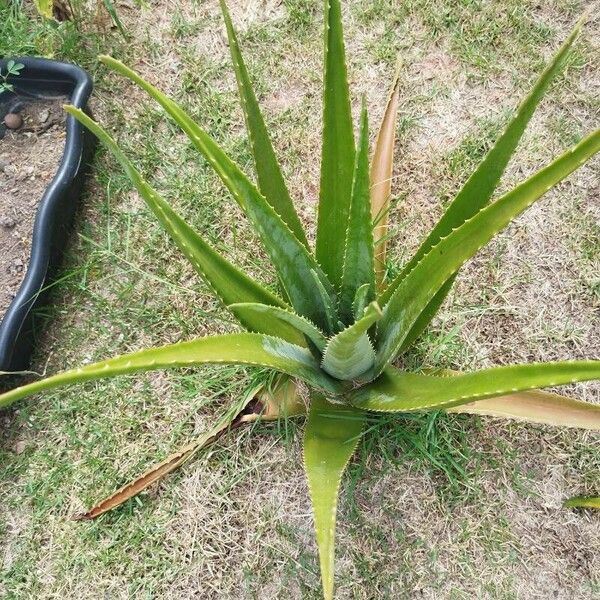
x=337 y=160
x=481 y=185
x=350 y=354
x=583 y=502
x=291 y=259
x=250 y=349
x=419 y=287
x=288 y=324
x=399 y=391
x=270 y=178
x=228 y=283
x=114 y=15
x=330 y=439
x=536 y=407
x=358 y=254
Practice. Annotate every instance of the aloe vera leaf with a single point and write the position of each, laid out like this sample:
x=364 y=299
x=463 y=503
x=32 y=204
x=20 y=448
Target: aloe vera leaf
x=289 y=322
x=358 y=254
x=250 y=349
x=45 y=8
x=349 y=354
x=290 y=258
x=328 y=301
x=479 y=189
x=426 y=315
x=419 y=287
x=282 y=400
x=228 y=282
x=152 y=475
x=382 y=166
x=481 y=185
x=536 y=407
x=170 y=464
x=583 y=502
x=330 y=438
x=361 y=299
x=337 y=160
x=399 y=391
x=270 y=178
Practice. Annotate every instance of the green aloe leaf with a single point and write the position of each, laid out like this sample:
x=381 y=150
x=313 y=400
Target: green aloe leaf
x=479 y=188
x=285 y=321
x=337 y=160
x=350 y=354
x=45 y=8
x=416 y=291
x=330 y=439
x=426 y=315
x=399 y=391
x=358 y=255
x=328 y=301
x=361 y=299
x=250 y=349
x=583 y=502
x=293 y=262
x=270 y=179
x=229 y=283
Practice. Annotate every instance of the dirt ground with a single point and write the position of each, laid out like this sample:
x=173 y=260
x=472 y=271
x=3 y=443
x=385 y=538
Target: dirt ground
x=29 y=158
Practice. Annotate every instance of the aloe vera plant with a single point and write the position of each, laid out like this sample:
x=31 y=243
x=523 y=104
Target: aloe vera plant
x=337 y=325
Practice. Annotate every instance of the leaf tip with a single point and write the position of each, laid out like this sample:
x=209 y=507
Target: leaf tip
x=86 y=516
x=582 y=502
x=373 y=309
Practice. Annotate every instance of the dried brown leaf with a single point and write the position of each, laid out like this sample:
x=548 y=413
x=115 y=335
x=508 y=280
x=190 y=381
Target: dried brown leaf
x=537 y=407
x=282 y=399
x=381 y=177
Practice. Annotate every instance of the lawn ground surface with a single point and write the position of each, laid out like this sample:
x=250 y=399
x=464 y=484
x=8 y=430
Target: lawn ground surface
x=435 y=506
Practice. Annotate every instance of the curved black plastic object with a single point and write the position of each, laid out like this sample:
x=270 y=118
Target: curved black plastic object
x=41 y=78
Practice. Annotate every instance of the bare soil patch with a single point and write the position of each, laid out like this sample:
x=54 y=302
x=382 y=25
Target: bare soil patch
x=29 y=158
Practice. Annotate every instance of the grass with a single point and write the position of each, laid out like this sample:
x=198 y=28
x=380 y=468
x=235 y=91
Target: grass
x=455 y=506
